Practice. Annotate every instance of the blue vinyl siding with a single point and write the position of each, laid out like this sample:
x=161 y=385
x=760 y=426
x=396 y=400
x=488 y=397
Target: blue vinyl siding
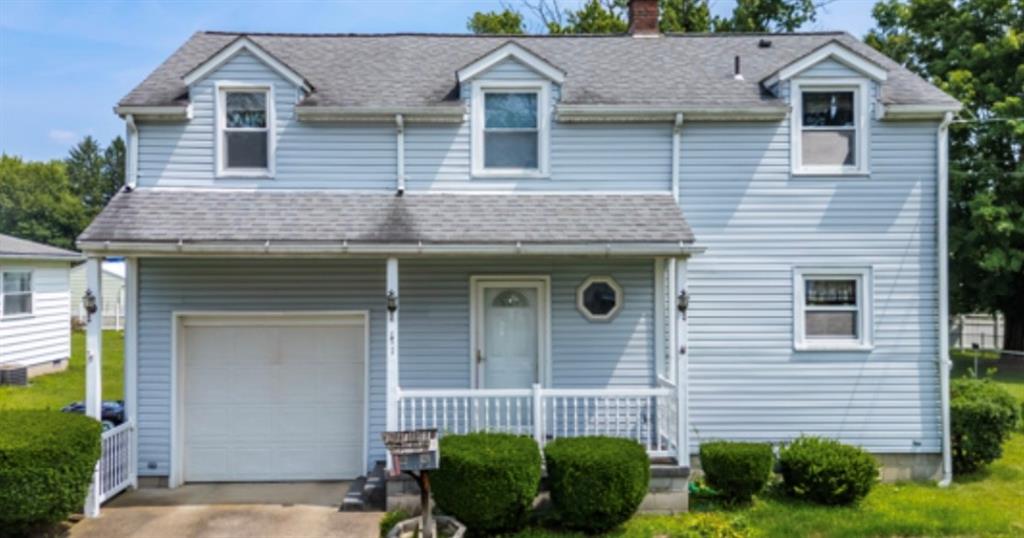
x=830 y=68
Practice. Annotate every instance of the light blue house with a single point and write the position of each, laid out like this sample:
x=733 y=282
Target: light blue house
x=667 y=238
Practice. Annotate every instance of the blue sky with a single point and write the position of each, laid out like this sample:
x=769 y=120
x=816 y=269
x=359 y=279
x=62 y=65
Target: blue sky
x=64 y=64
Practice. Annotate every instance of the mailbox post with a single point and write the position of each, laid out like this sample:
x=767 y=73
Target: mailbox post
x=416 y=453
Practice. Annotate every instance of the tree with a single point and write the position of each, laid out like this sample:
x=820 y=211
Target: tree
x=506 y=21
x=113 y=170
x=595 y=17
x=767 y=16
x=96 y=174
x=685 y=16
x=974 y=50
x=38 y=203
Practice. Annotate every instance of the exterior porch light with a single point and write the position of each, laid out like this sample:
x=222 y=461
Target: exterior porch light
x=89 y=304
x=683 y=302
x=392 y=301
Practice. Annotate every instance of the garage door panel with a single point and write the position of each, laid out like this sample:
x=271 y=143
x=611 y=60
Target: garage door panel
x=274 y=402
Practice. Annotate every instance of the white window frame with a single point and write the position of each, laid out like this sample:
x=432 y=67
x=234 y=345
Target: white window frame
x=861 y=112
x=477 y=120
x=864 y=308
x=220 y=110
x=620 y=297
x=31 y=293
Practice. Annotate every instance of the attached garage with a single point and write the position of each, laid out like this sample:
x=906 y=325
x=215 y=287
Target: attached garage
x=270 y=396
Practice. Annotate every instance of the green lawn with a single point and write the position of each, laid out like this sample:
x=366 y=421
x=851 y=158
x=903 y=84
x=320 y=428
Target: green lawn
x=54 y=391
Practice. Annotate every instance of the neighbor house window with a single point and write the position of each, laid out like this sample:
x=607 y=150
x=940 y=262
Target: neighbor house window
x=599 y=298
x=245 y=122
x=829 y=133
x=510 y=132
x=832 y=308
x=17 y=293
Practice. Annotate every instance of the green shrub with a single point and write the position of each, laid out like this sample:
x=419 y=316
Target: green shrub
x=982 y=415
x=391 y=519
x=737 y=470
x=46 y=464
x=488 y=481
x=597 y=483
x=826 y=471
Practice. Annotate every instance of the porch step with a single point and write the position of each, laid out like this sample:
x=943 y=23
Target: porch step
x=367 y=493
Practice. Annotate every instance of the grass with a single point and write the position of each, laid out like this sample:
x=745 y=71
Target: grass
x=53 y=391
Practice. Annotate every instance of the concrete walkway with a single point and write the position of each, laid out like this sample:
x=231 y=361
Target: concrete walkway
x=300 y=510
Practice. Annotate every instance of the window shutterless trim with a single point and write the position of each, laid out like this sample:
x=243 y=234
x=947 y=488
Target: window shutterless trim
x=477 y=123
x=222 y=88
x=861 y=118
x=31 y=293
x=864 y=308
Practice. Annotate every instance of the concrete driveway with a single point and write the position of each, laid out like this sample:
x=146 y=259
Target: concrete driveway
x=300 y=510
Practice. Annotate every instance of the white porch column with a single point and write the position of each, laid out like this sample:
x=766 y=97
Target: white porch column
x=93 y=367
x=131 y=361
x=392 y=349
x=679 y=340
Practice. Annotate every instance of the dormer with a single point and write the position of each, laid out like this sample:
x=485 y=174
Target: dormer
x=833 y=92
x=510 y=93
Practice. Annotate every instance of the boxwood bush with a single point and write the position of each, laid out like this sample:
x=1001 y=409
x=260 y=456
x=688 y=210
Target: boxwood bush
x=488 y=481
x=826 y=471
x=597 y=483
x=982 y=415
x=46 y=464
x=737 y=470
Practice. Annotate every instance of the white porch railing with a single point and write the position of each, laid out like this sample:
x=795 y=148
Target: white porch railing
x=116 y=461
x=646 y=415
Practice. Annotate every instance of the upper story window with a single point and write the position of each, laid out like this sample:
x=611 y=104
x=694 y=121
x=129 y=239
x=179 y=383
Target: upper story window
x=16 y=292
x=829 y=129
x=510 y=131
x=245 y=131
x=832 y=309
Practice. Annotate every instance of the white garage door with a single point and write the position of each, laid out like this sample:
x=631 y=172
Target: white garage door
x=273 y=398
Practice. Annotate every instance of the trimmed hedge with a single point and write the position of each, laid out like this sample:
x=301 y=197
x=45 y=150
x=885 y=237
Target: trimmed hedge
x=46 y=464
x=488 y=481
x=826 y=471
x=982 y=417
x=597 y=483
x=737 y=470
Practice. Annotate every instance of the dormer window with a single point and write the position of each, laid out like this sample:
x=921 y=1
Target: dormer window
x=829 y=128
x=245 y=131
x=510 y=131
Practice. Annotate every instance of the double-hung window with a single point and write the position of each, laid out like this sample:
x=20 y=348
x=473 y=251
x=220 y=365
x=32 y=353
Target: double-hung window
x=245 y=131
x=832 y=308
x=17 y=293
x=829 y=135
x=510 y=132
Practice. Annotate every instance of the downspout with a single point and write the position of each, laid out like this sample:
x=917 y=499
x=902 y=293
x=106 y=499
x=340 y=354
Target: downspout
x=943 y=261
x=400 y=128
x=677 y=129
x=132 y=159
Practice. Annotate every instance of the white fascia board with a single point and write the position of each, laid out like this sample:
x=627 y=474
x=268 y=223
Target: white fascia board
x=918 y=112
x=836 y=52
x=380 y=114
x=340 y=248
x=246 y=44
x=511 y=50
x=41 y=258
x=635 y=113
x=170 y=112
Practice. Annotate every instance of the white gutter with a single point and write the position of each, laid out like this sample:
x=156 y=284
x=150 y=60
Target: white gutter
x=335 y=248
x=424 y=114
x=655 y=113
x=400 y=143
x=943 y=261
x=677 y=130
x=157 y=113
x=917 y=112
x=131 y=164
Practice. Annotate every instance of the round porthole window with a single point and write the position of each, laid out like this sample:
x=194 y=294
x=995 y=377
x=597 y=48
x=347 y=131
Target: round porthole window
x=599 y=298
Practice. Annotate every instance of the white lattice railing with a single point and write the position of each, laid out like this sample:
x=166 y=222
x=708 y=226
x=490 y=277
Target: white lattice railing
x=646 y=415
x=116 y=459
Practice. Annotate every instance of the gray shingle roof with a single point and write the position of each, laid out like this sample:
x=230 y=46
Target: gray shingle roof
x=15 y=248
x=153 y=215
x=419 y=70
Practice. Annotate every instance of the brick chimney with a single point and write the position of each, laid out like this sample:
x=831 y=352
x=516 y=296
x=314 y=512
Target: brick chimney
x=643 y=18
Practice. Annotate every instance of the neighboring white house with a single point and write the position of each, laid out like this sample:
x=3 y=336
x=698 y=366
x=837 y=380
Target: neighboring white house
x=35 y=309
x=113 y=294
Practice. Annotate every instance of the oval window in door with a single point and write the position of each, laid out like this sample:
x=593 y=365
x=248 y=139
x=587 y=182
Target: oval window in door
x=510 y=299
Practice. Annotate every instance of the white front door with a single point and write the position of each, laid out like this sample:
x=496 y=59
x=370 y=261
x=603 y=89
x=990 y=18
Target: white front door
x=511 y=325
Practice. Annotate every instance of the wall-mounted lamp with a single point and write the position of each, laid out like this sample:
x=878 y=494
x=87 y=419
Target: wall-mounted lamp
x=392 y=301
x=683 y=302
x=89 y=304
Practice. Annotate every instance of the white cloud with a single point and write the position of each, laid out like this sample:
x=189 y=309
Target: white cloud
x=63 y=136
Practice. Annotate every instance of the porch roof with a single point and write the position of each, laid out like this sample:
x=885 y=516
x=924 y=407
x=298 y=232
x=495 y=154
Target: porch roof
x=293 y=221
